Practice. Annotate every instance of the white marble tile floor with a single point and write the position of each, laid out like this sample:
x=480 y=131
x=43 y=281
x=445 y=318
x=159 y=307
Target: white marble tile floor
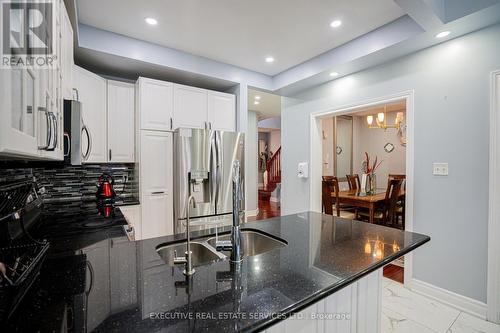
x=404 y=311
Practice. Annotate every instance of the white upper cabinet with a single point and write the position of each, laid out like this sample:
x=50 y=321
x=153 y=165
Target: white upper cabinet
x=92 y=94
x=18 y=107
x=120 y=122
x=66 y=56
x=221 y=111
x=155 y=104
x=31 y=101
x=190 y=107
x=165 y=106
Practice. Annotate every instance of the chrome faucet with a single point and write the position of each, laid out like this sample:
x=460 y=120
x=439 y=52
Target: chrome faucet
x=189 y=270
x=234 y=245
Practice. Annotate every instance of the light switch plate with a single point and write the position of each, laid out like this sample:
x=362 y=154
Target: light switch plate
x=303 y=170
x=440 y=169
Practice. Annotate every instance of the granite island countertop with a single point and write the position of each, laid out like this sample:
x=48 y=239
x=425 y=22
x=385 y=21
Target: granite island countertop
x=134 y=290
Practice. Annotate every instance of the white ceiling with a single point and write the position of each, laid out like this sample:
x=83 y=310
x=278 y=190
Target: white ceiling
x=240 y=32
x=269 y=104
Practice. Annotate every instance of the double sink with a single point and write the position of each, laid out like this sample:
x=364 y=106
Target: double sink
x=253 y=242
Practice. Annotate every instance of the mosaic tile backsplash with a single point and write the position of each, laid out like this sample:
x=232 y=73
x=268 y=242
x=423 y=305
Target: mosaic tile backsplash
x=69 y=187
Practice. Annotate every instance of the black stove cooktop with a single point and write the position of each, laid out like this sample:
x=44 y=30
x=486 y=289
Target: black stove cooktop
x=77 y=229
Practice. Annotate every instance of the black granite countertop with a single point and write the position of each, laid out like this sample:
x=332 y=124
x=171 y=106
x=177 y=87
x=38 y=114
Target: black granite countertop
x=128 y=287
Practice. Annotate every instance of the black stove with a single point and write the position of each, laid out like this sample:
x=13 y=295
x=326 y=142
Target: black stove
x=21 y=255
x=71 y=231
x=30 y=269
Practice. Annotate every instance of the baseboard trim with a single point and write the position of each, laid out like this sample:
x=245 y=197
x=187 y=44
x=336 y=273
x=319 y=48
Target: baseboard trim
x=462 y=303
x=253 y=212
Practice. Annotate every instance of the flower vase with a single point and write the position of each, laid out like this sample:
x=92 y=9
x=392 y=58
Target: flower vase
x=371 y=183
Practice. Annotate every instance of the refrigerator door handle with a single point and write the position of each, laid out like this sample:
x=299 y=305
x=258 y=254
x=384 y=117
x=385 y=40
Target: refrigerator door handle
x=219 y=168
x=213 y=169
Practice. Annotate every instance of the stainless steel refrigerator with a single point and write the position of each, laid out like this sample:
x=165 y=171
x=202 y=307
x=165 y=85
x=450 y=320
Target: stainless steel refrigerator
x=203 y=162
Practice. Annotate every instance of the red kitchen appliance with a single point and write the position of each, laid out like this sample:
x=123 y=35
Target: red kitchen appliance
x=105 y=187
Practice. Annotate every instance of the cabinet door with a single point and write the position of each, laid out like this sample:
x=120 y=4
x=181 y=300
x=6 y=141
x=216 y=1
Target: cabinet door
x=222 y=111
x=123 y=274
x=67 y=55
x=98 y=299
x=157 y=215
x=18 y=108
x=155 y=104
x=120 y=122
x=92 y=94
x=156 y=184
x=190 y=107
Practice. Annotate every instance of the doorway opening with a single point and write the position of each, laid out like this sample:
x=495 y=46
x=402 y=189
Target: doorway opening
x=366 y=150
x=265 y=114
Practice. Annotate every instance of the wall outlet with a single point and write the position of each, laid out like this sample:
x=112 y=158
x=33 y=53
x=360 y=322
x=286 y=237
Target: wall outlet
x=440 y=169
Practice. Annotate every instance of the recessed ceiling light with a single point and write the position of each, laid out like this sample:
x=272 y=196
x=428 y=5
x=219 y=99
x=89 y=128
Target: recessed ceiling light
x=257 y=97
x=442 y=34
x=336 y=24
x=256 y=102
x=151 y=21
x=269 y=59
x=333 y=74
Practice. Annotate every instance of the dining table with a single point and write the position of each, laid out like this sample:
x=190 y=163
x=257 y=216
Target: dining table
x=370 y=201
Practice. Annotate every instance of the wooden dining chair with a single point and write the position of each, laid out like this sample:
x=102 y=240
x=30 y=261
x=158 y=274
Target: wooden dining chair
x=391 y=202
x=353 y=181
x=386 y=214
x=330 y=201
x=401 y=204
x=328 y=178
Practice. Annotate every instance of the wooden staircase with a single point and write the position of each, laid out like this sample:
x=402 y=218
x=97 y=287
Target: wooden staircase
x=273 y=168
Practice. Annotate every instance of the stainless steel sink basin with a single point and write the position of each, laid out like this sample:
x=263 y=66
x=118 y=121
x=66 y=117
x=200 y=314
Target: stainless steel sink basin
x=253 y=242
x=201 y=255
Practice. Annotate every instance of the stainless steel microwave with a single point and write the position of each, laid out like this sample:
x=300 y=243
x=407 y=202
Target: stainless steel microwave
x=77 y=139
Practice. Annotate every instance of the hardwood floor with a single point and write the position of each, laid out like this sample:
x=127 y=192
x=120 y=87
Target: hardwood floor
x=267 y=209
x=394 y=273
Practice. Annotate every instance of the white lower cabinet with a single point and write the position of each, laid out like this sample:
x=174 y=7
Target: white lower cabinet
x=123 y=274
x=99 y=303
x=156 y=183
x=132 y=215
x=353 y=309
x=112 y=279
x=156 y=216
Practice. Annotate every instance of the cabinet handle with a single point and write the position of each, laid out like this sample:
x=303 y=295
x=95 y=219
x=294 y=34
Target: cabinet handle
x=110 y=155
x=77 y=95
x=210 y=125
x=44 y=110
x=171 y=124
x=66 y=136
x=53 y=133
x=89 y=140
x=158 y=192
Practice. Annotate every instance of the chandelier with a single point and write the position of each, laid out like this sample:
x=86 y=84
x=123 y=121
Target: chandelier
x=381 y=120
